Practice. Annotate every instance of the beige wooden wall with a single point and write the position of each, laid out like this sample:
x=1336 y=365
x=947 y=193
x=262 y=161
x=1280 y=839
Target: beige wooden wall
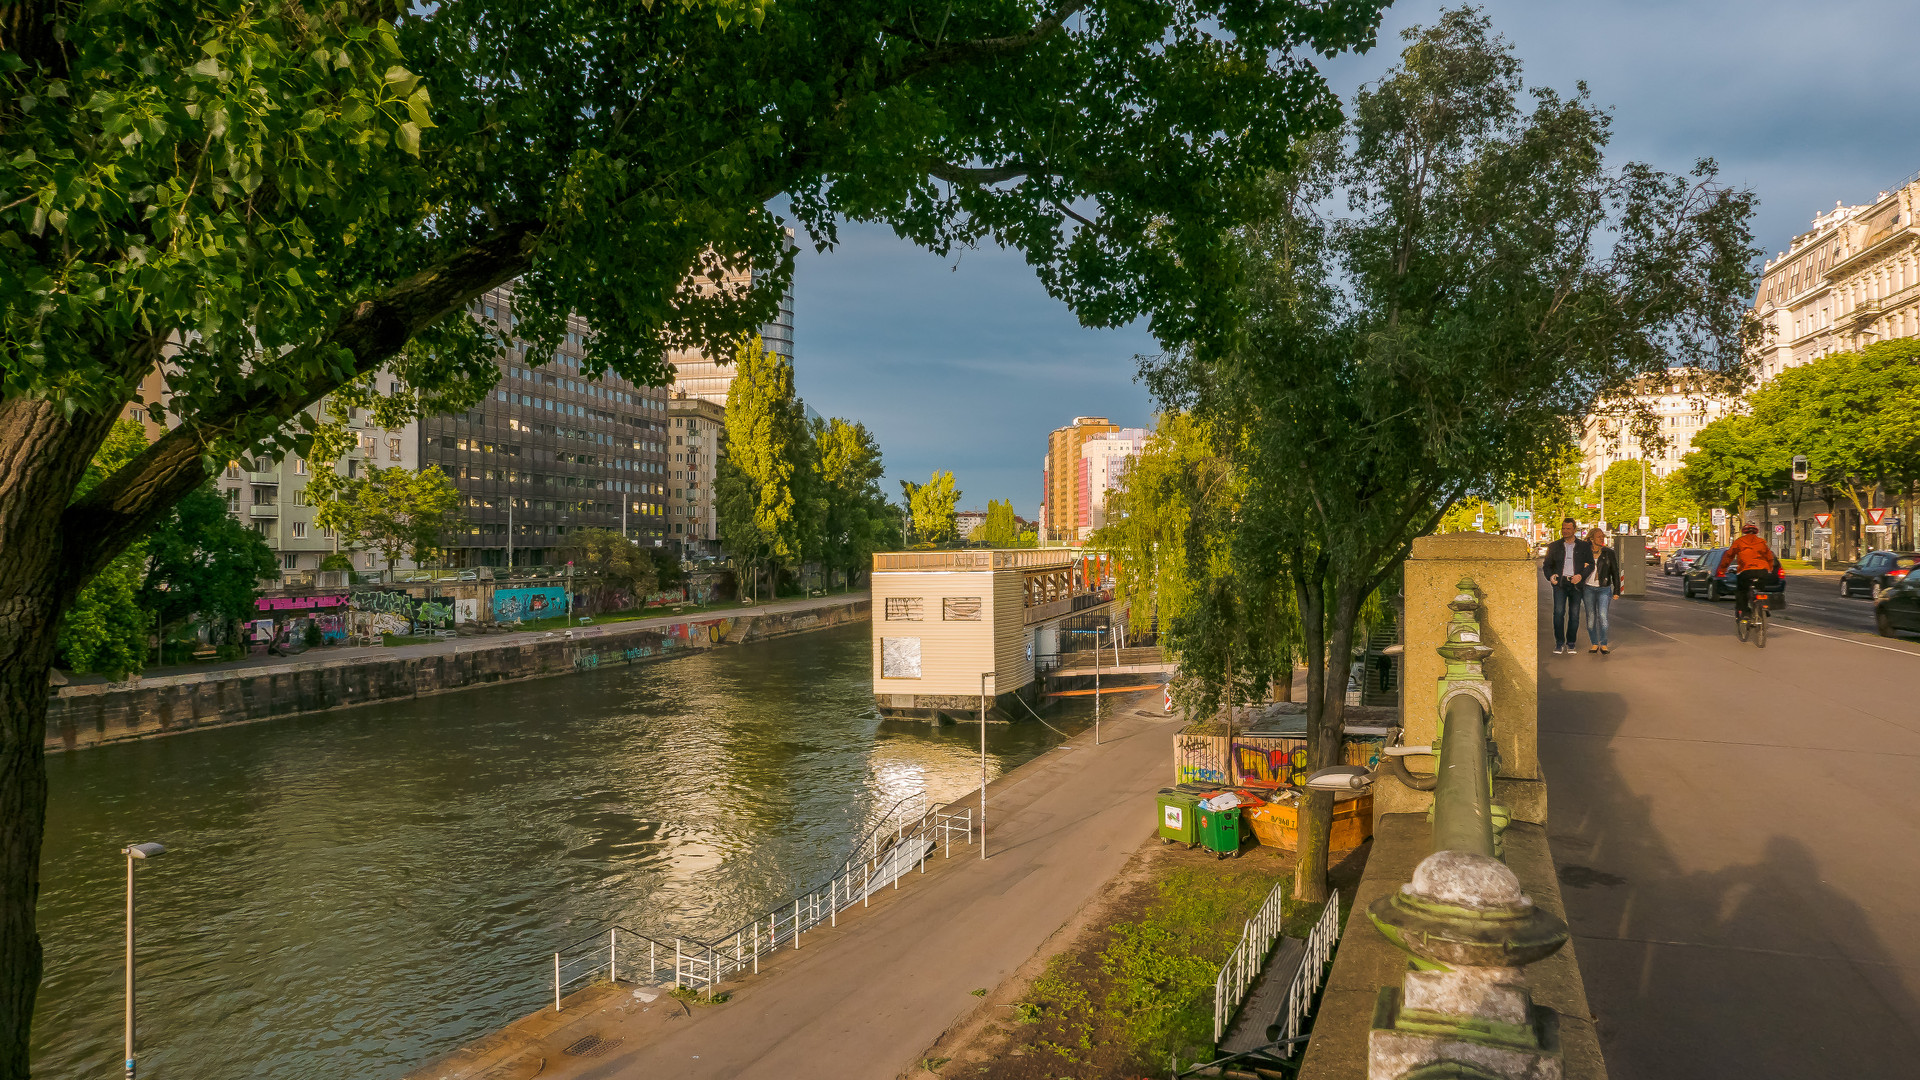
x=1012 y=664
x=952 y=654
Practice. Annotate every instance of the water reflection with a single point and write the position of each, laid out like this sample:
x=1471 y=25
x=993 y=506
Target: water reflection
x=347 y=895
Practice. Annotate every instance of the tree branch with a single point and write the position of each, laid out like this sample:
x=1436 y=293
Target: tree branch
x=137 y=496
x=958 y=51
x=956 y=174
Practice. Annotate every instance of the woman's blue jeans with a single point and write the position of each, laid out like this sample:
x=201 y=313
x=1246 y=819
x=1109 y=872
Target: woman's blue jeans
x=1599 y=598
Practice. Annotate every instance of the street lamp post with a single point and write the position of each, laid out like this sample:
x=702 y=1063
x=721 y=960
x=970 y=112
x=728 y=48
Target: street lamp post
x=132 y=852
x=984 y=676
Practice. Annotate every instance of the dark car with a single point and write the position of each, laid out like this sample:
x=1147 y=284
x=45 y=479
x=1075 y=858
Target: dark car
x=1703 y=578
x=1878 y=571
x=1653 y=555
x=1678 y=562
x=1898 y=607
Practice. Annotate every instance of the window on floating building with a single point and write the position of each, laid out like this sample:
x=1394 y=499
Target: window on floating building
x=904 y=608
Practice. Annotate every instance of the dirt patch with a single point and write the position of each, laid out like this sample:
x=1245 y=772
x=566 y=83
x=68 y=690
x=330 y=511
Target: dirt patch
x=1128 y=982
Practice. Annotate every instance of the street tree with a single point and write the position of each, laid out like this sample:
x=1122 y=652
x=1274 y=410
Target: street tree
x=1735 y=461
x=201 y=562
x=1491 y=277
x=999 y=529
x=770 y=448
x=855 y=522
x=268 y=203
x=610 y=570
x=397 y=512
x=932 y=505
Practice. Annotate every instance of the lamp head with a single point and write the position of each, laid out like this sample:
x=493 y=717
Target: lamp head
x=1340 y=778
x=144 y=851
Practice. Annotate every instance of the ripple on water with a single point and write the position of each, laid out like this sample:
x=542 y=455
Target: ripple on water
x=348 y=895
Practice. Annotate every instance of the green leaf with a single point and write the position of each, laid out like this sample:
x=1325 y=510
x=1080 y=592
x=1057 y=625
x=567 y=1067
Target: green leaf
x=408 y=136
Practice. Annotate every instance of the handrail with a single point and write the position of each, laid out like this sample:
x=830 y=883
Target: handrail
x=1463 y=918
x=1244 y=963
x=876 y=861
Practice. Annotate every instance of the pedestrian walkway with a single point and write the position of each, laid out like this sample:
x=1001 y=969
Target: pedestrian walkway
x=447 y=646
x=865 y=999
x=1734 y=831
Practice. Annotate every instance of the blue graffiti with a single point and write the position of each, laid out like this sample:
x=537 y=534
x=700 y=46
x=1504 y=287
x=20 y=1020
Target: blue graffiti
x=510 y=605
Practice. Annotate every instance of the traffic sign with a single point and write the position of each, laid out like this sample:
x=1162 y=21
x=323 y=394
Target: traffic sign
x=1684 y=523
x=1824 y=521
x=1877 y=515
x=1779 y=529
x=1719 y=515
x=1645 y=523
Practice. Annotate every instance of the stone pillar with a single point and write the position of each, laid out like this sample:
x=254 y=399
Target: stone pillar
x=1633 y=564
x=1505 y=572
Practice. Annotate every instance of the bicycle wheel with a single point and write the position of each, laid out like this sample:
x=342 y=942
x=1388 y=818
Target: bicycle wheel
x=1760 y=628
x=1740 y=625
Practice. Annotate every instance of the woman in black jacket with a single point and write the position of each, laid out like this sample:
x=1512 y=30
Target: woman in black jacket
x=1602 y=587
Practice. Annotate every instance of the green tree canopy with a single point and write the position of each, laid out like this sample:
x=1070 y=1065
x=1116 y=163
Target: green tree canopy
x=999 y=529
x=203 y=562
x=769 y=514
x=397 y=512
x=855 y=522
x=1491 y=277
x=105 y=631
x=932 y=505
x=608 y=566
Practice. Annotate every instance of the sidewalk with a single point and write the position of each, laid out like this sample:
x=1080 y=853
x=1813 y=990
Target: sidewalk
x=1735 y=833
x=865 y=999
x=451 y=645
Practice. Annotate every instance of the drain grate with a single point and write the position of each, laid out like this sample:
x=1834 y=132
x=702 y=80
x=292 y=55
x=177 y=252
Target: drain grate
x=590 y=1046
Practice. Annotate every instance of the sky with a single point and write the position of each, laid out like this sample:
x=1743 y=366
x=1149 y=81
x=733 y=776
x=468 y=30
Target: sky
x=965 y=363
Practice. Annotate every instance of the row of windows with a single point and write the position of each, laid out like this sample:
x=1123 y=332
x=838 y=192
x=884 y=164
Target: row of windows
x=518 y=476
x=952 y=609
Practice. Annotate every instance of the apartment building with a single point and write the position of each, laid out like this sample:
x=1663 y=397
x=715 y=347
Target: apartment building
x=1851 y=279
x=271 y=497
x=551 y=451
x=1060 y=508
x=1677 y=409
x=1103 y=460
x=699 y=429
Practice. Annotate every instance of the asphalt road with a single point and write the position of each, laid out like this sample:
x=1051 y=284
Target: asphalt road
x=1813 y=602
x=1735 y=832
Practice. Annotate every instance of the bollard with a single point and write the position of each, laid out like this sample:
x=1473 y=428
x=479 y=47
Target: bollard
x=556 y=982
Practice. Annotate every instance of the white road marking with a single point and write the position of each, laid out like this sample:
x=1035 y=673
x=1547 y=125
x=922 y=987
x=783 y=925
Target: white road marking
x=1866 y=644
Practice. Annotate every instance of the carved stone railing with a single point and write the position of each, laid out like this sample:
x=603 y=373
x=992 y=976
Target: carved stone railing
x=1464 y=1012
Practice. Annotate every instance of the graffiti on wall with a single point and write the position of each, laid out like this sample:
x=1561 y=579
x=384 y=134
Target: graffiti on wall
x=1257 y=760
x=510 y=605
x=297 y=603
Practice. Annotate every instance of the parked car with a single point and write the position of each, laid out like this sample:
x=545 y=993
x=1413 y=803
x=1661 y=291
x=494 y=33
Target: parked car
x=1682 y=558
x=1703 y=578
x=1898 y=607
x=1876 y=571
x=1653 y=555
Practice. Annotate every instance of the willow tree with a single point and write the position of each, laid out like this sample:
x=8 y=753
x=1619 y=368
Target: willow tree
x=1490 y=277
x=269 y=198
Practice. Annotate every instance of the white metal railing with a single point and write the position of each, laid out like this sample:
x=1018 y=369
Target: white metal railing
x=1250 y=955
x=896 y=846
x=1243 y=965
x=1321 y=941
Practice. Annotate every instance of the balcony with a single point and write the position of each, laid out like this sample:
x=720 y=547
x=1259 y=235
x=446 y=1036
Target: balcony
x=263 y=510
x=263 y=477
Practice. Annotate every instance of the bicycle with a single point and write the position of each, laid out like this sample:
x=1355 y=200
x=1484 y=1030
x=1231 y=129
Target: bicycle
x=1759 y=614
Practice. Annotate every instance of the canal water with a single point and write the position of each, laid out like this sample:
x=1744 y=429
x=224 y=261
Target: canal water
x=348 y=895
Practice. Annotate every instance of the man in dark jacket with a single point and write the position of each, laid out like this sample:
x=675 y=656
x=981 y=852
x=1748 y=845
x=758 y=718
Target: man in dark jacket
x=1568 y=563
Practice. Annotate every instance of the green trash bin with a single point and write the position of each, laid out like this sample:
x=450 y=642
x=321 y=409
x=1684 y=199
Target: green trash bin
x=1179 y=813
x=1219 y=830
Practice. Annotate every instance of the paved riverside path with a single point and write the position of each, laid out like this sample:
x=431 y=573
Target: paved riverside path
x=867 y=999
x=1737 y=836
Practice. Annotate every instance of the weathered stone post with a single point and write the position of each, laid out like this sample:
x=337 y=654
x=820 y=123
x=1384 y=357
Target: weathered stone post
x=1465 y=1012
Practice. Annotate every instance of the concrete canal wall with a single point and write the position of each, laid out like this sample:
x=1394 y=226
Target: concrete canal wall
x=80 y=716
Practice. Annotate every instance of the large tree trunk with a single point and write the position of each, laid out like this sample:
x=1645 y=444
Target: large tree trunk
x=42 y=457
x=1331 y=649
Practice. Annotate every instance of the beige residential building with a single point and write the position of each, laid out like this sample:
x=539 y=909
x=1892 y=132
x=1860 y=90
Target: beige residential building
x=1850 y=280
x=1677 y=410
x=941 y=619
x=698 y=427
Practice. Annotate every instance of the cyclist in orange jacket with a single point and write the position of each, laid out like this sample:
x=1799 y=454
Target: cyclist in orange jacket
x=1756 y=561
